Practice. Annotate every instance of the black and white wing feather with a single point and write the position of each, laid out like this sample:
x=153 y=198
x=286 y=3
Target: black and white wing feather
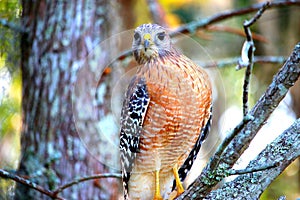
x=132 y=118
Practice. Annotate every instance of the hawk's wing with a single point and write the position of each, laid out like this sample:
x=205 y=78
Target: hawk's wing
x=187 y=165
x=132 y=118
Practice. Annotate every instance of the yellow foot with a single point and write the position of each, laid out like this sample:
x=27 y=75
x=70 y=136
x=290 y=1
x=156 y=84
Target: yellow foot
x=179 y=187
x=157 y=195
x=180 y=190
x=174 y=194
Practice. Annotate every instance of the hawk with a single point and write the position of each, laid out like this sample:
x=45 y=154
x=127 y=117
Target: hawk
x=165 y=117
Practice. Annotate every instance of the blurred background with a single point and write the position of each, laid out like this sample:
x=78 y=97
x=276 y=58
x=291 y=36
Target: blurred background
x=276 y=34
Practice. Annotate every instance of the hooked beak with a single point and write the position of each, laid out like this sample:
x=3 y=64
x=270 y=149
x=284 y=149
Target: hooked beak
x=147 y=42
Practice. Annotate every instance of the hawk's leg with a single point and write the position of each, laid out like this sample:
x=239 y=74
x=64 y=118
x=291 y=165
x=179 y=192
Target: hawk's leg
x=179 y=186
x=157 y=195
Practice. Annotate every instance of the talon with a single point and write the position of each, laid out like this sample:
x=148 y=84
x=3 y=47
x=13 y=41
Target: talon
x=179 y=186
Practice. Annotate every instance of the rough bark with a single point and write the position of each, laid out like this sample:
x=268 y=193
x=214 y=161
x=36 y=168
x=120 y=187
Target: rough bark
x=283 y=150
x=60 y=34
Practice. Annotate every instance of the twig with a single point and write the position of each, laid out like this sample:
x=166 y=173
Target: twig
x=252 y=169
x=248 y=62
x=248 y=54
x=232 y=61
x=53 y=194
x=216 y=157
x=28 y=183
x=235 y=31
x=12 y=26
x=76 y=181
x=282 y=81
x=249 y=23
x=193 y=26
x=248 y=49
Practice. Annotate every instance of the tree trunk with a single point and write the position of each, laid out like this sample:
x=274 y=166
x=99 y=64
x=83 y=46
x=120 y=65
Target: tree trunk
x=60 y=36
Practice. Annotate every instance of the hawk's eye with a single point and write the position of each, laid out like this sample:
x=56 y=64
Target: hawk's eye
x=137 y=36
x=161 y=35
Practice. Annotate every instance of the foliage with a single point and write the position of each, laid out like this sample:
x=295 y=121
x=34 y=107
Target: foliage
x=10 y=10
x=10 y=77
x=10 y=91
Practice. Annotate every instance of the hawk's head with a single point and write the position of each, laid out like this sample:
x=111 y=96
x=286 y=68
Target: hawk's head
x=149 y=42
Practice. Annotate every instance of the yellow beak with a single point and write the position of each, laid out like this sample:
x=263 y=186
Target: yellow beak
x=147 y=41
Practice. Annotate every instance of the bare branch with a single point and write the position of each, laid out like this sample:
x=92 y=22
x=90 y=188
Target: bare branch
x=235 y=31
x=28 y=183
x=252 y=169
x=193 y=26
x=248 y=54
x=87 y=178
x=53 y=194
x=284 y=79
x=217 y=156
x=249 y=23
x=257 y=59
x=284 y=150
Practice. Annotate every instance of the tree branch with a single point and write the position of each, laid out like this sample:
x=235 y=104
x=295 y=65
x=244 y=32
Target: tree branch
x=87 y=178
x=284 y=150
x=249 y=170
x=284 y=79
x=220 y=150
x=28 y=183
x=54 y=194
x=257 y=59
x=195 y=25
x=210 y=176
x=191 y=27
x=248 y=54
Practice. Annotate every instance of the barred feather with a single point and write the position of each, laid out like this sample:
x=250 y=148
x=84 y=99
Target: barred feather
x=133 y=113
